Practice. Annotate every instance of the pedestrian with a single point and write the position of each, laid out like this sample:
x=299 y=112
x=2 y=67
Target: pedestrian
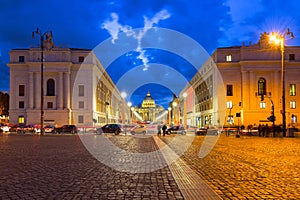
x=164 y=128
x=158 y=129
x=259 y=130
x=267 y=130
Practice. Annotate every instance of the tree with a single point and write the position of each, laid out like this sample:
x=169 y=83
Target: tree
x=4 y=103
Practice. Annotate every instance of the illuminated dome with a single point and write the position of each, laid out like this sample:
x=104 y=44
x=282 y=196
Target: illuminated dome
x=148 y=101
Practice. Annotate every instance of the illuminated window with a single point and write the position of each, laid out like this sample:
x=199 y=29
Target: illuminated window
x=294 y=118
x=262 y=88
x=81 y=104
x=262 y=105
x=229 y=104
x=229 y=58
x=229 y=90
x=293 y=104
x=21 y=119
x=81 y=90
x=292 y=89
x=21 y=90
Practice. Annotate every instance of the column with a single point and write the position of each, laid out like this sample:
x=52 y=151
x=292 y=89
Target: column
x=67 y=90
x=60 y=91
x=252 y=90
x=31 y=90
x=37 y=89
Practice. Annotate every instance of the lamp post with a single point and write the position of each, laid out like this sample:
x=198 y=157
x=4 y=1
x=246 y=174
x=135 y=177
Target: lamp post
x=174 y=104
x=123 y=95
x=184 y=110
x=129 y=104
x=278 y=39
x=48 y=37
x=169 y=109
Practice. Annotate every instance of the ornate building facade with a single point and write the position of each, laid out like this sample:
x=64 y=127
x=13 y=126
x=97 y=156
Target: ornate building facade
x=249 y=81
x=149 y=111
x=77 y=89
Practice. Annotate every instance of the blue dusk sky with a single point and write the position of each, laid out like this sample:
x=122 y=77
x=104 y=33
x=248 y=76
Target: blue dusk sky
x=156 y=59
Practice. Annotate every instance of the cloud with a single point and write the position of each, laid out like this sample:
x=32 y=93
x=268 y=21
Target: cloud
x=114 y=27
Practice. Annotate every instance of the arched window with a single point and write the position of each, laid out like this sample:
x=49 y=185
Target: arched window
x=262 y=86
x=50 y=87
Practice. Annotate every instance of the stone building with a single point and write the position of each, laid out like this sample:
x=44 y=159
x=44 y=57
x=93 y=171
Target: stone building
x=250 y=77
x=77 y=89
x=149 y=110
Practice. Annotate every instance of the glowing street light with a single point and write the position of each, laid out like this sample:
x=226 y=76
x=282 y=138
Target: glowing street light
x=123 y=95
x=46 y=36
x=184 y=95
x=279 y=39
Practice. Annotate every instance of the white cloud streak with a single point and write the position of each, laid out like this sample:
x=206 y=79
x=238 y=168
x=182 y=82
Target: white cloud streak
x=114 y=28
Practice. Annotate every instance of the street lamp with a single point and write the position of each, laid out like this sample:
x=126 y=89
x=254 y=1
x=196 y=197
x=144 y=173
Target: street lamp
x=169 y=109
x=174 y=104
x=184 y=110
x=123 y=95
x=278 y=38
x=48 y=37
x=129 y=104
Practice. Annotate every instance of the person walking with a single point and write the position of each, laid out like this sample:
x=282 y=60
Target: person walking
x=164 y=128
x=158 y=130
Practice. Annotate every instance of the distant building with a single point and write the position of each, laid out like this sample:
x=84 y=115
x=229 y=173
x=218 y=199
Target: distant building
x=248 y=72
x=77 y=89
x=149 y=111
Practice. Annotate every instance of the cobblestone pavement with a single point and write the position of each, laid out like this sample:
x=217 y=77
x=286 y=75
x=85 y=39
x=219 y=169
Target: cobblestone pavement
x=59 y=167
x=249 y=167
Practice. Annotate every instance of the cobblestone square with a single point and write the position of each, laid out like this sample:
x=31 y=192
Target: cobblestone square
x=60 y=167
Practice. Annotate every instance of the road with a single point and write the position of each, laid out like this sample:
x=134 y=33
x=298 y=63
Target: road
x=61 y=167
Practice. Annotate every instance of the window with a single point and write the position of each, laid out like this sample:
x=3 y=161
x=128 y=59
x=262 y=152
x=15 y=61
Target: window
x=21 y=119
x=228 y=58
x=81 y=90
x=21 y=59
x=50 y=87
x=49 y=104
x=293 y=104
x=21 y=104
x=229 y=104
x=291 y=56
x=81 y=104
x=262 y=88
x=262 y=105
x=21 y=90
x=80 y=59
x=294 y=118
x=292 y=89
x=80 y=119
x=229 y=91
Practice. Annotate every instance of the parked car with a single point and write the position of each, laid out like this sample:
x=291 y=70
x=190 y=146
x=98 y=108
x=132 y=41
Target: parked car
x=22 y=128
x=66 y=129
x=49 y=129
x=176 y=130
x=111 y=128
x=201 y=131
x=4 y=128
x=139 y=129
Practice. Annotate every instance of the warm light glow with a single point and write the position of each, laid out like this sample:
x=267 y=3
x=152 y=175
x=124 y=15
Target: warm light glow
x=174 y=104
x=169 y=108
x=275 y=38
x=184 y=95
x=123 y=95
x=129 y=104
